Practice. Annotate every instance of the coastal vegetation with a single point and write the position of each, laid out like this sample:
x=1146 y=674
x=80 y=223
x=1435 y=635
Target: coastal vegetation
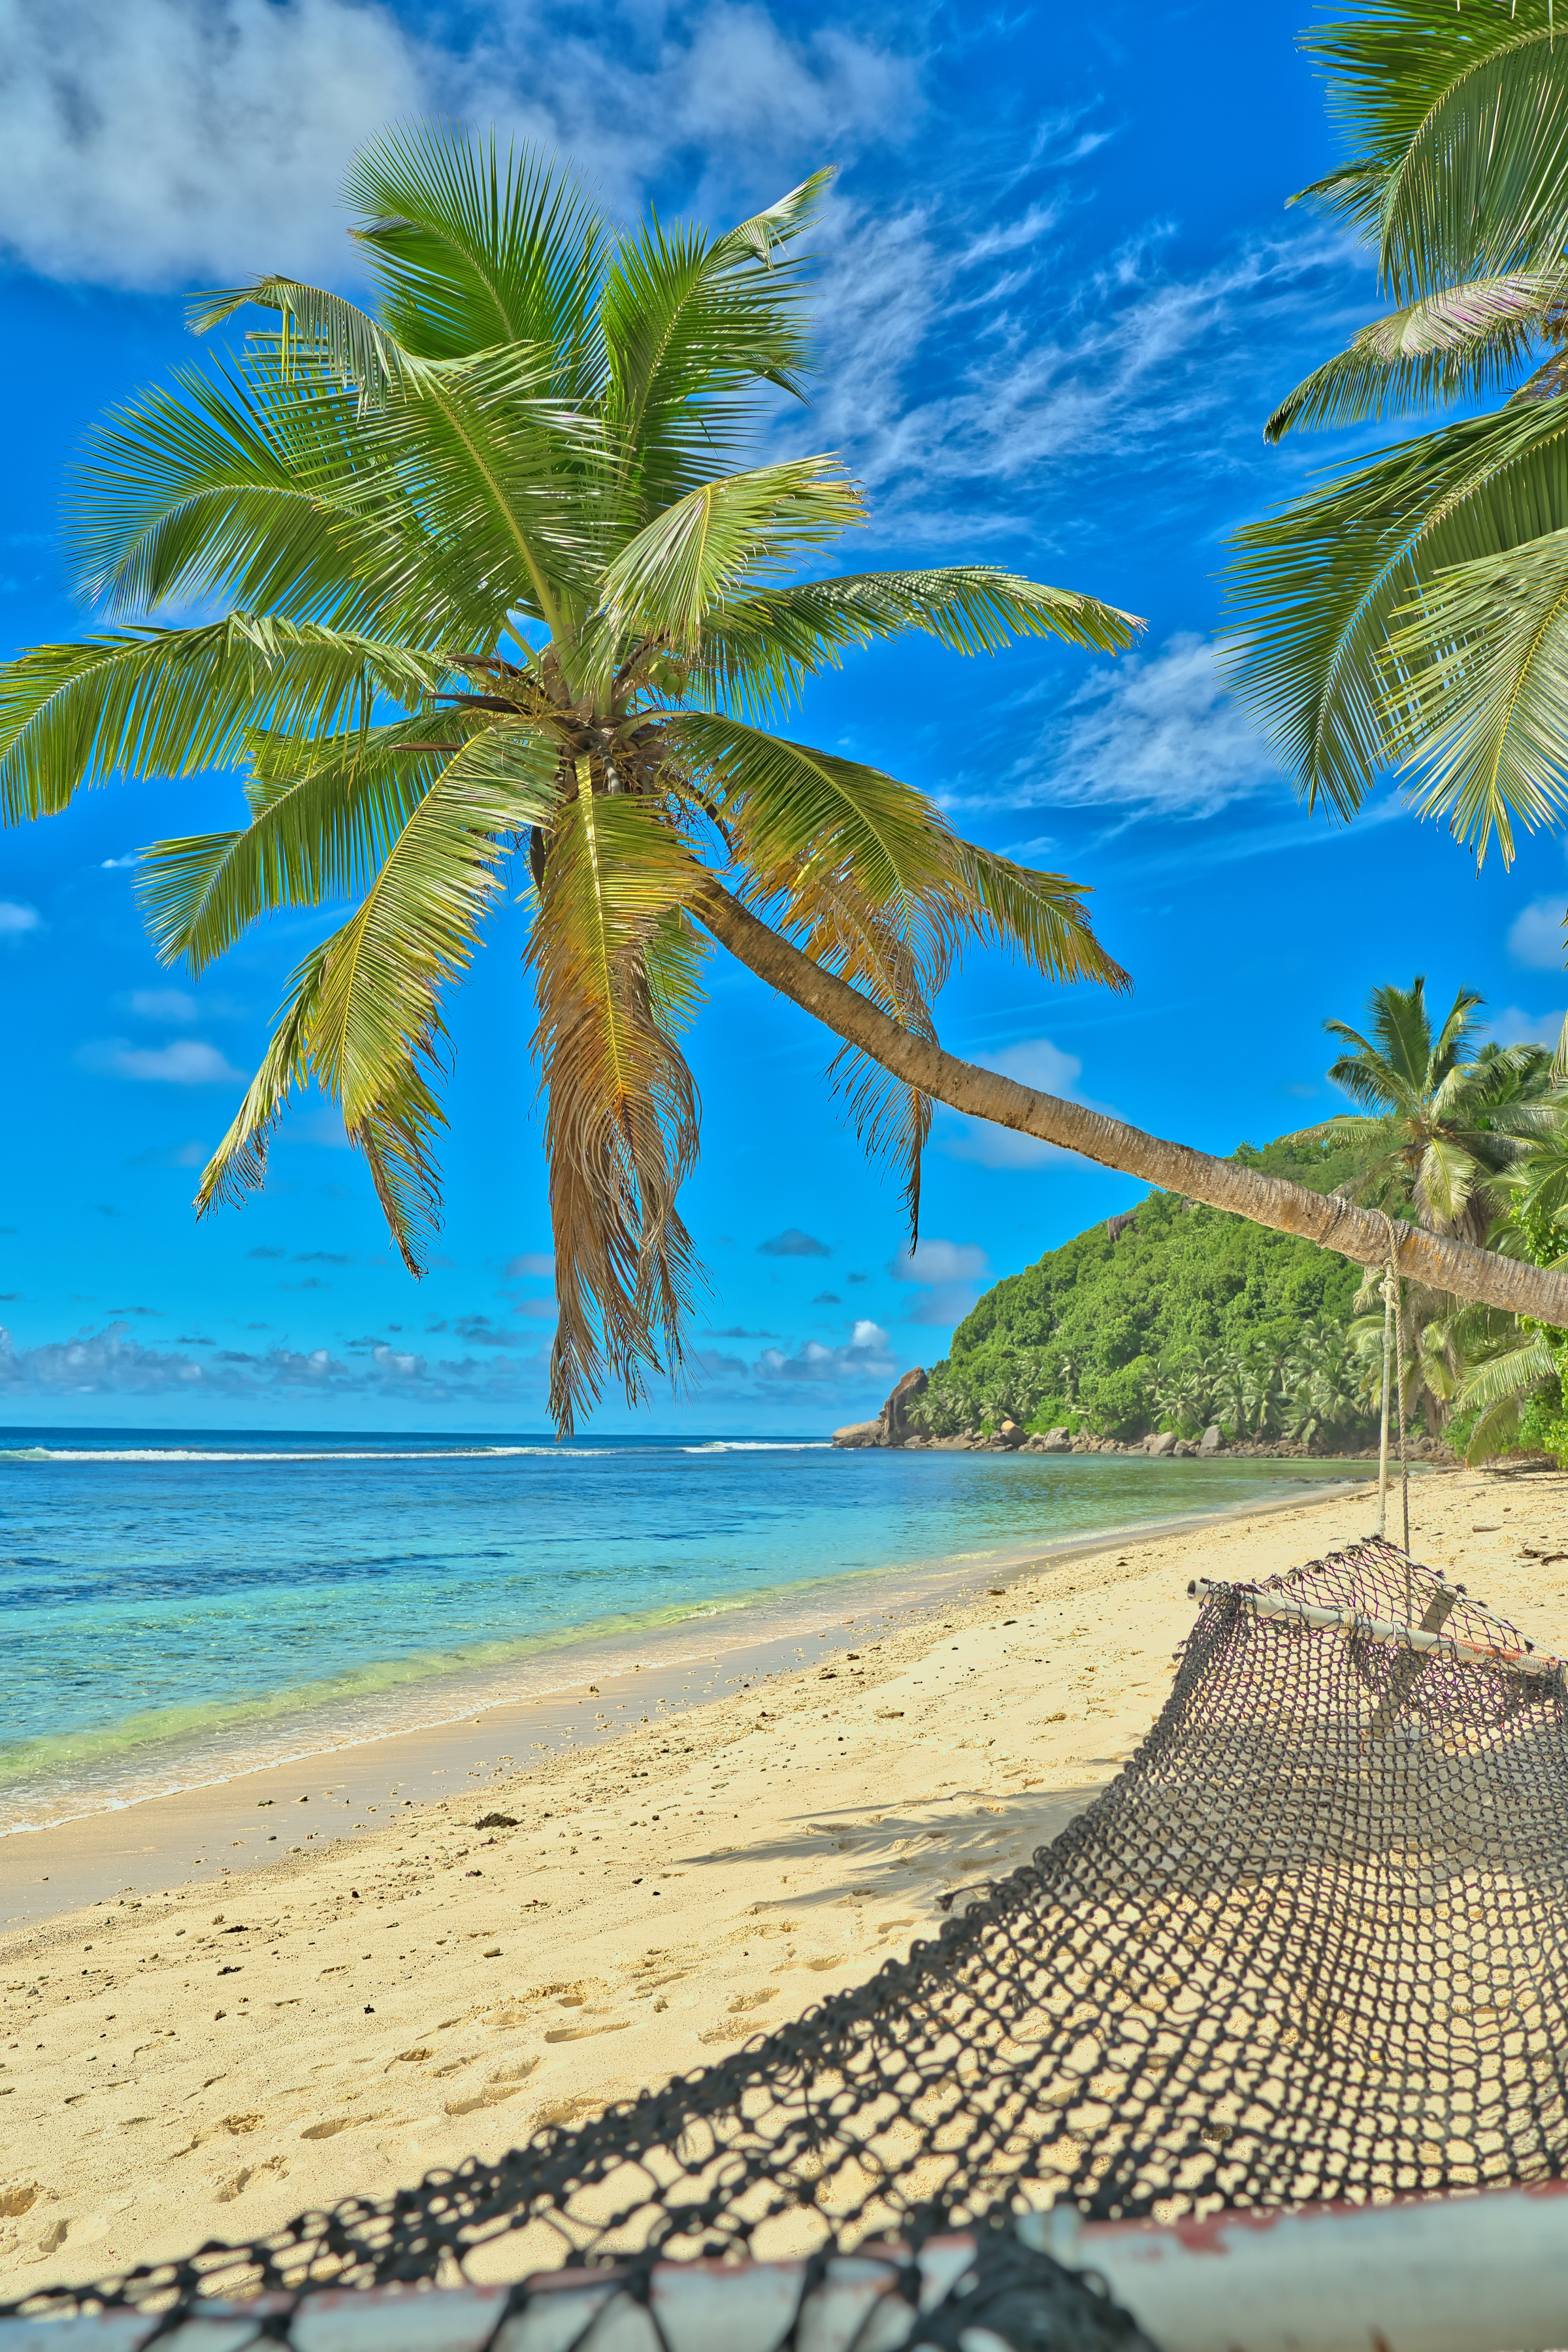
x=1178 y=1317
x=503 y=578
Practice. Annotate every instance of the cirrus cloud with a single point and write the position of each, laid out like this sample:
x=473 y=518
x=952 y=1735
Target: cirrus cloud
x=185 y=1062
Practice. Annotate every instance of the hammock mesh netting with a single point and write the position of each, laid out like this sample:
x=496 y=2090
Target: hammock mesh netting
x=1311 y=1943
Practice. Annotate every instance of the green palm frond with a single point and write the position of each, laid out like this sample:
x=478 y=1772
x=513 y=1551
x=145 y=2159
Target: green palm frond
x=1459 y=341
x=1316 y=587
x=1477 y=665
x=697 y=549
x=472 y=247
x=1041 y=917
x=324 y=819
x=1515 y=1372
x=1461 y=118
x=355 y=349
x=238 y=1167
x=758 y=649
x=169 y=702
x=691 y=324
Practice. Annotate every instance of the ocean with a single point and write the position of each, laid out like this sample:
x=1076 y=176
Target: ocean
x=181 y=1606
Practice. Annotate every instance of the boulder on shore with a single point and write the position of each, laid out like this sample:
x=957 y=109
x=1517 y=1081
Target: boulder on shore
x=1010 y=1435
x=1165 y=1444
x=1211 y=1441
x=859 y=1432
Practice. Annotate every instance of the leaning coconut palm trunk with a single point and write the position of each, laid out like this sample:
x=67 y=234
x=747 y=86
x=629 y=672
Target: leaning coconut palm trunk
x=1335 y=1224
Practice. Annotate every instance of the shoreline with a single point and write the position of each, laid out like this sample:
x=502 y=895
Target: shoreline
x=447 y=1984
x=675 y=1666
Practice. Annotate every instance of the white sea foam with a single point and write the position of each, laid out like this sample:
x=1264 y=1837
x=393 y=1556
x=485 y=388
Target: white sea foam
x=268 y=1453
x=762 y=1445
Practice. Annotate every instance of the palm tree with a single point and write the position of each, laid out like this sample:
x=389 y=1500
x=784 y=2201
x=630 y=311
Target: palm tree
x=492 y=580
x=1429 y=1133
x=1318 y=1381
x=1412 y=613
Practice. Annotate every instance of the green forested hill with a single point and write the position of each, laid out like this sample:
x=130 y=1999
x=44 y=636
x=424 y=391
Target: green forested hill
x=1190 y=1314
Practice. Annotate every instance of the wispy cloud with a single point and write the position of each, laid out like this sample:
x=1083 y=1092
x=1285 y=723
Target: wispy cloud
x=185 y=1062
x=1158 y=731
x=970 y=359
x=534 y=1264
x=16 y=920
x=945 y=1276
x=1514 y=1027
x=189 y=1154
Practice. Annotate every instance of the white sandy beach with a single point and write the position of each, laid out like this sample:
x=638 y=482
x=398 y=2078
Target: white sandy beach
x=207 y=2062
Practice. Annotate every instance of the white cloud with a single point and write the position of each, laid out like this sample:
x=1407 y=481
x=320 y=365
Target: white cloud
x=949 y=1274
x=1157 y=731
x=537 y=1263
x=866 y=1358
x=932 y=1260
x=143 y=144
x=171 y=1004
x=187 y=1062
x=1034 y=1062
x=16 y=920
x=1536 y=937
x=1514 y=1027
x=147 y=145
x=108 y=1363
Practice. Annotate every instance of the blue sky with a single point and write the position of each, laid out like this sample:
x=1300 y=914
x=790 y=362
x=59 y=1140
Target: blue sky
x=1058 y=293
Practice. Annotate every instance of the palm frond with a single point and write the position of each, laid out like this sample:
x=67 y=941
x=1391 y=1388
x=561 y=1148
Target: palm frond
x=1317 y=586
x=1477 y=671
x=701 y=547
x=1516 y=1372
x=1461 y=120
x=800 y=812
x=1461 y=341
x=357 y=349
x=324 y=818
x=170 y=702
x=758 y=649
x=621 y=1119
x=238 y=1167
x=473 y=247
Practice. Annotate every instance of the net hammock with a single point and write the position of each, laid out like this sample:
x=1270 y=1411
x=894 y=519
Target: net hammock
x=1311 y=1943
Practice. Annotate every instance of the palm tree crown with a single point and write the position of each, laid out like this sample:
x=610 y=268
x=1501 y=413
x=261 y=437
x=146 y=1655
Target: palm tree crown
x=1428 y=1133
x=501 y=570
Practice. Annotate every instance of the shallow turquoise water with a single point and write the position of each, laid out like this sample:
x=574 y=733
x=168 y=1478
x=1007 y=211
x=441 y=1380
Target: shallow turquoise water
x=174 y=1606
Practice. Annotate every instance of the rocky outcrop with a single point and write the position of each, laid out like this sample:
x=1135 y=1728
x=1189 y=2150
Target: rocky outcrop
x=859 y=1432
x=1211 y=1441
x=891 y=1426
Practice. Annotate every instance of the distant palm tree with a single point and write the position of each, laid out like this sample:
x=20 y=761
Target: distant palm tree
x=1429 y=1135
x=1318 y=1383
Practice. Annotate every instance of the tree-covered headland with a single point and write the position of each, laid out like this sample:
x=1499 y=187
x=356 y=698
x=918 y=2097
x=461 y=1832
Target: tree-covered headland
x=1183 y=1318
